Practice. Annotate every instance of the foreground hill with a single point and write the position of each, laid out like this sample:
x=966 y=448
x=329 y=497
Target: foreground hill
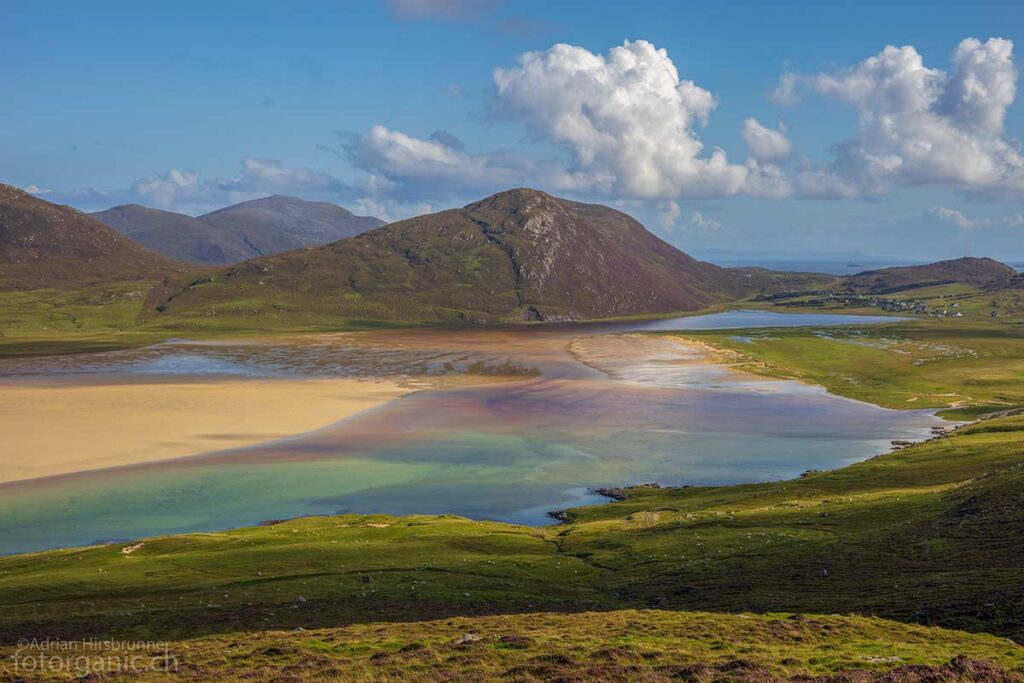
x=44 y=245
x=634 y=646
x=518 y=255
x=260 y=227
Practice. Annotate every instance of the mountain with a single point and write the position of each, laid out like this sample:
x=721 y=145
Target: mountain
x=44 y=245
x=260 y=227
x=985 y=273
x=272 y=225
x=518 y=255
x=176 y=235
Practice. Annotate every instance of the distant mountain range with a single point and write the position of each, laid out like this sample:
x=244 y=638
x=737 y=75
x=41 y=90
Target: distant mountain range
x=520 y=255
x=260 y=227
x=44 y=245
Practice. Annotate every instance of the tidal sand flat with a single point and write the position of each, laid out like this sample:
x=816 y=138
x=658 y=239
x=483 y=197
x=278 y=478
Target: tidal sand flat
x=576 y=408
x=71 y=424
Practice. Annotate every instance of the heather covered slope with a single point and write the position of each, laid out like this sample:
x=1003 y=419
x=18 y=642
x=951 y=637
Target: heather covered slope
x=44 y=245
x=518 y=255
x=259 y=227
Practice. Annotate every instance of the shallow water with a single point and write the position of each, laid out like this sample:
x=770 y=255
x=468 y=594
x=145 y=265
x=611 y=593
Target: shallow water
x=596 y=406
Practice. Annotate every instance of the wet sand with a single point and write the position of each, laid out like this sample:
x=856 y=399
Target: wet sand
x=58 y=426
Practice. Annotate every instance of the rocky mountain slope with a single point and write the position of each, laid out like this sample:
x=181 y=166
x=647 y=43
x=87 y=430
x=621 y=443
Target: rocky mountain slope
x=518 y=255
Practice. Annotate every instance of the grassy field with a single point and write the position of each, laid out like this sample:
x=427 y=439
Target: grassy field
x=119 y=316
x=954 y=300
x=965 y=367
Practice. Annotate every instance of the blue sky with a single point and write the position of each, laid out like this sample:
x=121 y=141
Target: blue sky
x=394 y=108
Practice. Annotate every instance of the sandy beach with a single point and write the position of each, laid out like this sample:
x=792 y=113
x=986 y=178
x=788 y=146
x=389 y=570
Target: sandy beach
x=61 y=426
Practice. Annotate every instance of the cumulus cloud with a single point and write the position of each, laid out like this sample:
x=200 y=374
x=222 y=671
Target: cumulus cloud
x=397 y=158
x=626 y=118
x=625 y=121
x=920 y=125
x=766 y=144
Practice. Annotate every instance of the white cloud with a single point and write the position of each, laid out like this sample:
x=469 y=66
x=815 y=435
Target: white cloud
x=668 y=214
x=167 y=190
x=764 y=143
x=396 y=156
x=786 y=92
x=955 y=217
x=700 y=224
x=921 y=126
x=390 y=210
x=187 y=191
x=961 y=220
x=270 y=176
x=626 y=118
x=767 y=180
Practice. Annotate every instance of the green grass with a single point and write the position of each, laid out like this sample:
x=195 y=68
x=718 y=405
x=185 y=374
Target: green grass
x=946 y=300
x=118 y=316
x=624 y=645
x=966 y=367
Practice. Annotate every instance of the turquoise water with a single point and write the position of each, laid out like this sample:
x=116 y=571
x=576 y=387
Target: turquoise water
x=599 y=409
